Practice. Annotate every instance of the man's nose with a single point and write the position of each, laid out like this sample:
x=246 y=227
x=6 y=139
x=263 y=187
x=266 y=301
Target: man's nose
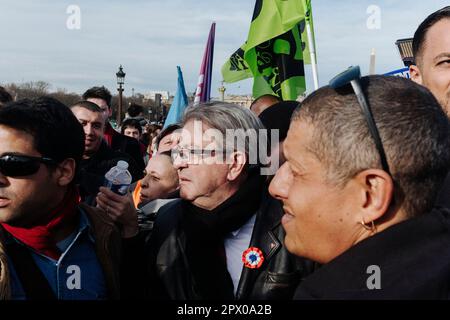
x=3 y=179
x=88 y=130
x=279 y=186
x=179 y=162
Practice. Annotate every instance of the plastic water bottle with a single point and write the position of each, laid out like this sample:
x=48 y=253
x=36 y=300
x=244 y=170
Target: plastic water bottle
x=118 y=178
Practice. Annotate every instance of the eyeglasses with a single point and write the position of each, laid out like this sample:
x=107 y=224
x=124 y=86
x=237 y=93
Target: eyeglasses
x=352 y=75
x=20 y=165
x=193 y=156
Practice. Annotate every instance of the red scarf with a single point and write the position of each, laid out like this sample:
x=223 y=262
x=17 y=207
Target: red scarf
x=109 y=133
x=41 y=236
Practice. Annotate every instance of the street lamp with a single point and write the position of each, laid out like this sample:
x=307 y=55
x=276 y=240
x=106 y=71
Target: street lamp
x=120 y=81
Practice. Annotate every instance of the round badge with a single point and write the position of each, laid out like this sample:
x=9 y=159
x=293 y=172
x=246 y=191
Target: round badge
x=252 y=258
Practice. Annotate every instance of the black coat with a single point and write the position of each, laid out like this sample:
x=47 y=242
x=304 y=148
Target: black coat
x=92 y=171
x=128 y=145
x=277 y=278
x=413 y=259
x=444 y=195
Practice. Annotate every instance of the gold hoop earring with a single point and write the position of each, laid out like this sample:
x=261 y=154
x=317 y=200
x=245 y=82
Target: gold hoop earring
x=372 y=228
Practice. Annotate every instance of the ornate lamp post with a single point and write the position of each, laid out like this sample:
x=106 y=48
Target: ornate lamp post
x=120 y=81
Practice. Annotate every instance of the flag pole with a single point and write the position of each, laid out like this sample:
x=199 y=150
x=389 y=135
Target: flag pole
x=312 y=52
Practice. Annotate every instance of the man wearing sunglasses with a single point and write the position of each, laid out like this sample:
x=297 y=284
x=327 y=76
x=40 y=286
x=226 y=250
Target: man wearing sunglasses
x=51 y=247
x=431 y=68
x=365 y=159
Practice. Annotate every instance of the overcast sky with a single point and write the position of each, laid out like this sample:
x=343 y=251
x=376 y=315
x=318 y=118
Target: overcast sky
x=150 y=38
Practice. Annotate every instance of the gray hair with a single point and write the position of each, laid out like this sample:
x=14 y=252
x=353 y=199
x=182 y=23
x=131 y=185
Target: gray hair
x=413 y=127
x=234 y=122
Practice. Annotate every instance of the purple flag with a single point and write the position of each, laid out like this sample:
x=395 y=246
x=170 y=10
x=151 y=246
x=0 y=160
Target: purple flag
x=203 y=92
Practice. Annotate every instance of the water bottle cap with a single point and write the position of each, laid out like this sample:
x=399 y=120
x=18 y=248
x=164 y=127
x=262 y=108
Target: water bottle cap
x=122 y=164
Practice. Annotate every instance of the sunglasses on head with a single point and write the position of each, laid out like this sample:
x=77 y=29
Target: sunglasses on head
x=352 y=75
x=21 y=165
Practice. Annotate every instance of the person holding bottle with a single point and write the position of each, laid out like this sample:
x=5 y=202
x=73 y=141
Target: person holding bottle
x=98 y=158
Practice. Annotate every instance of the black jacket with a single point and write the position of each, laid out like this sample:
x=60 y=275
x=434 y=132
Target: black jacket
x=413 y=259
x=128 y=145
x=277 y=278
x=443 y=199
x=92 y=171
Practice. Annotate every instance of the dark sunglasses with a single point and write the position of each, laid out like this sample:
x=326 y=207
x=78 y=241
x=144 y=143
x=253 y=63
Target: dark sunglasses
x=19 y=165
x=352 y=75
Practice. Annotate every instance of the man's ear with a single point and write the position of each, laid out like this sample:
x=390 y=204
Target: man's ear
x=65 y=172
x=236 y=164
x=378 y=188
x=415 y=74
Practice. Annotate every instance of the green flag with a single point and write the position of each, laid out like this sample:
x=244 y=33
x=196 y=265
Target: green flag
x=273 y=53
x=236 y=69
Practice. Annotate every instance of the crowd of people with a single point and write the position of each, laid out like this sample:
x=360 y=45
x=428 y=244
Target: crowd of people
x=357 y=208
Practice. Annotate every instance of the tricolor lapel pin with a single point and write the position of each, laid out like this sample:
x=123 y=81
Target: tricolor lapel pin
x=252 y=258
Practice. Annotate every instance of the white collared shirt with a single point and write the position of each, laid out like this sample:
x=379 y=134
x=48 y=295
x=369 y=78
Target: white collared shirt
x=235 y=244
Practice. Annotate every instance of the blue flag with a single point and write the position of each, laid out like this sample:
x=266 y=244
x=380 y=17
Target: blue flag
x=179 y=104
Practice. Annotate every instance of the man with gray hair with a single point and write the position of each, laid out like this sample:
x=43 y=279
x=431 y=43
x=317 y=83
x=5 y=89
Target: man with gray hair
x=363 y=168
x=223 y=238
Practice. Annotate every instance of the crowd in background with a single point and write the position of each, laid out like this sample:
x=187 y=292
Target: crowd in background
x=358 y=208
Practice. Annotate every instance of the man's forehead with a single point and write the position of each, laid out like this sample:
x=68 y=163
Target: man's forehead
x=100 y=102
x=15 y=141
x=195 y=124
x=196 y=132
x=437 y=39
x=84 y=114
x=168 y=137
x=297 y=141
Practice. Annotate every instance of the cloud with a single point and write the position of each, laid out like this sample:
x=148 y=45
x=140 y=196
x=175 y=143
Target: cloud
x=150 y=38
